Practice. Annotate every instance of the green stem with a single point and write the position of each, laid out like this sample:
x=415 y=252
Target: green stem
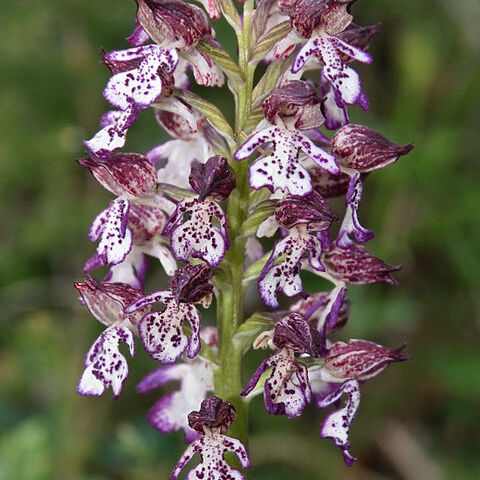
x=231 y=294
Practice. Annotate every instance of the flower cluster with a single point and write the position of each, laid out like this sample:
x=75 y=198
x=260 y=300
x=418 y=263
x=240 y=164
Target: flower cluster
x=199 y=207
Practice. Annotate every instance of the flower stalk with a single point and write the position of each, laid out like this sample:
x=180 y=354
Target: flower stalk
x=231 y=296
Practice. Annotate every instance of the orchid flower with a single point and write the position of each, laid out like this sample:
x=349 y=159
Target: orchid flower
x=282 y=169
x=161 y=333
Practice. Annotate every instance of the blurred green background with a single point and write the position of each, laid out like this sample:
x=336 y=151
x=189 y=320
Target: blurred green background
x=419 y=420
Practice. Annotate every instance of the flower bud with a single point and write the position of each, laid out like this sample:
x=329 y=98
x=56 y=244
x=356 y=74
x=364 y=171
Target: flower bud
x=360 y=359
x=124 y=174
x=295 y=333
x=173 y=23
x=191 y=283
x=294 y=102
x=362 y=149
x=107 y=300
x=356 y=265
x=213 y=414
x=213 y=178
x=311 y=209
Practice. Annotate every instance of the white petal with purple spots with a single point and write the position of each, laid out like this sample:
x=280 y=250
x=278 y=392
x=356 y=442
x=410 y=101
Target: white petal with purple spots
x=110 y=227
x=337 y=424
x=105 y=366
x=141 y=85
x=161 y=333
x=287 y=389
x=198 y=236
x=282 y=168
x=212 y=447
x=285 y=275
x=114 y=132
x=344 y=80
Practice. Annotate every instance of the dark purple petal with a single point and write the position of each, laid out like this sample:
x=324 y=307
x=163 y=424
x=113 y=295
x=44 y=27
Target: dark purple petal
x=311 y=208
x=285 y=6
x=360 y=359
x=106 y=301
x=212 y=178
x=173 y=23
x=337 y=315
x=357 y=265
x=293 y=103
x=127 y=174
x=214 y=413
x=105 y=366
x=364 y=150
x=307 y=15
x=295 y=333
x=191 y=283
x=337 y=424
